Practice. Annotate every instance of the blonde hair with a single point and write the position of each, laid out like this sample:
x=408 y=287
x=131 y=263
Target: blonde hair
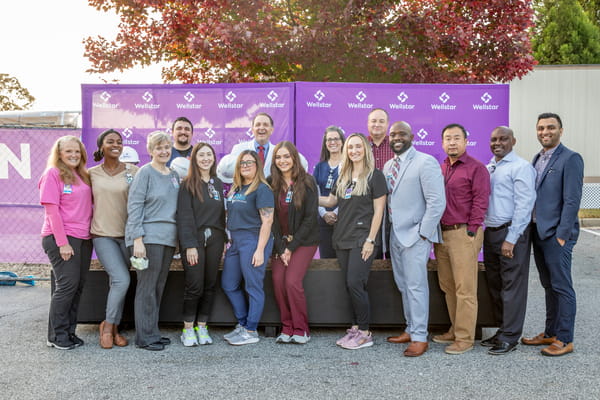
x=361 y=187
x=238 y=181
x=155 y=138
x=66 y=173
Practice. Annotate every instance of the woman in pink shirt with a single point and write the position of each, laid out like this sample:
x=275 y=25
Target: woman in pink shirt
x=66 y=195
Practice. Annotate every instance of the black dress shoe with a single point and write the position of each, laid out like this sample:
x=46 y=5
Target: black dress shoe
x=76 y=339
x=165 y=341
x=502 y=348
x=153 y=346
x=490 y=342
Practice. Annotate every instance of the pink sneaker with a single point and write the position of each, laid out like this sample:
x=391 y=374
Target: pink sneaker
x=350 y=333
x=359 y=341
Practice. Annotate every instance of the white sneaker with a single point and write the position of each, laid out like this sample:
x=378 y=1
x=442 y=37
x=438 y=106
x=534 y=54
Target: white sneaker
x=301 y=339
x=244 y=337
x=233 y=333
x=283 y=338
x=188 y=338
x=203 y=336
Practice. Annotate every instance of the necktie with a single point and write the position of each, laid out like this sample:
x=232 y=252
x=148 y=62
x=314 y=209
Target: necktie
x=261 y=154
x=395 y=172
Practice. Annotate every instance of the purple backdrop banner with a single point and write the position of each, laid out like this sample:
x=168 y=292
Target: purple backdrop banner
x=221 y=113
x=427 y=108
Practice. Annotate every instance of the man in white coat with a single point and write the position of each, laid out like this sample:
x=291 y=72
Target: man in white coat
x=416 y=202
x=262 y=129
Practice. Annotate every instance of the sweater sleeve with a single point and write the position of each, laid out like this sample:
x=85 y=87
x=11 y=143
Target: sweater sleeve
x=135 y=206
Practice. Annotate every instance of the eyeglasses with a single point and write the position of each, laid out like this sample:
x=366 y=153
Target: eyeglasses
x=333 y=140
x=248 y=163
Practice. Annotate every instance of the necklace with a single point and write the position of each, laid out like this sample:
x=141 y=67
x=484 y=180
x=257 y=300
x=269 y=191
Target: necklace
x=113 y=171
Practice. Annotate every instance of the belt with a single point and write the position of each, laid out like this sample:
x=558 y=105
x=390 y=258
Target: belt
x=452 y=227
x=497 y=228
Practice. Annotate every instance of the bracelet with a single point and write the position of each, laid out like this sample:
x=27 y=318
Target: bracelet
x=370 y=241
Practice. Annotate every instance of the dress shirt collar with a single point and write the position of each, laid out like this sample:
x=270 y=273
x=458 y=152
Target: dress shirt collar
x=508 y=158
x=385 y=142
x=462 y=159
x=404 y=155
x=256 y=144
x=549 y=152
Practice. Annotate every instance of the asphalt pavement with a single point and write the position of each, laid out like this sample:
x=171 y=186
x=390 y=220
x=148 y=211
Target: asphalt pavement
x=319 y=370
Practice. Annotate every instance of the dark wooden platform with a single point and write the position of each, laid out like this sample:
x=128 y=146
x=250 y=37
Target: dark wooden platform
x=327 y=300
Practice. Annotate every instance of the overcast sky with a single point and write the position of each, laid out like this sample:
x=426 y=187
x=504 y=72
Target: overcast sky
x=41 y=45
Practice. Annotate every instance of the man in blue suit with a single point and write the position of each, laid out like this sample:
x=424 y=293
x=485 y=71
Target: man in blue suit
x=416 y=202
x=555 y=230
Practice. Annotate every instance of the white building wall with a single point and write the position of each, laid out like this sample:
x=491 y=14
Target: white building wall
x=571 y=91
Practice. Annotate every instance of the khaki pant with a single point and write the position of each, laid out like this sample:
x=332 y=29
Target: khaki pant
x=457 y=274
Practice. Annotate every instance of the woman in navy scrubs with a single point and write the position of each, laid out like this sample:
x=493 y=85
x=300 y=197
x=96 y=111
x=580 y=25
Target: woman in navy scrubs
x=250 y=207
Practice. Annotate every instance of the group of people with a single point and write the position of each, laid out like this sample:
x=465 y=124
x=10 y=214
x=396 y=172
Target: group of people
x=369 y=197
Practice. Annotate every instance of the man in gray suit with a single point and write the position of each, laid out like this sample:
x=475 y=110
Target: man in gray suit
x=416 y=202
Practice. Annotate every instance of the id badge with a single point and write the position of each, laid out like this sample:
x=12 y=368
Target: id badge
x=67 y=189
x=212 y=191
x=329 y=183
x=348 y=193
x=175 y=182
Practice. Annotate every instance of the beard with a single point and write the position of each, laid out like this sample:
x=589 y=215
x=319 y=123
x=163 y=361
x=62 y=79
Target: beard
x=399 y=150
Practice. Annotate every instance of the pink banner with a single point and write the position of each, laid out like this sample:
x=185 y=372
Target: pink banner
x=23 y=156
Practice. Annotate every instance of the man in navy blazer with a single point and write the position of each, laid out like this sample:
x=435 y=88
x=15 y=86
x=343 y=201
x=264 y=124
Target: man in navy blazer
x=555 y=230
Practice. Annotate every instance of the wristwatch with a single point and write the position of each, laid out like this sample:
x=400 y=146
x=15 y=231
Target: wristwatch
x=370 y=240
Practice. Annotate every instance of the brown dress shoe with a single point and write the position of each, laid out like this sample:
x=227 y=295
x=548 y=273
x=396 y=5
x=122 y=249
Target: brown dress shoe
x=538 y=340
x=403 y=338
x=458 y=348
x=416 y=349
x=444 y=338
x=558 y=348
x=118 y=339
x=106 y=337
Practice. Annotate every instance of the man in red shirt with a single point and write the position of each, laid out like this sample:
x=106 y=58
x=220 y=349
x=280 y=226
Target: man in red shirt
x=377 y=125
x=467 y=184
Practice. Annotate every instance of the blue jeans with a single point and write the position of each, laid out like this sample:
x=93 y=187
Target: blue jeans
x=114 y=257
x=238 y=266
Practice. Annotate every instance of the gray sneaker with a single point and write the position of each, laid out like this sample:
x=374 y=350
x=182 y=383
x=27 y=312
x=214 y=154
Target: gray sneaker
x=233 y=333
x=188 y=337
x=244 y=337
x=300 y=339
x=203 y=336
x=283 y=338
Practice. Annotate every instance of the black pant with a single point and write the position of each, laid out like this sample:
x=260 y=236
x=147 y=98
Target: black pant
x=507 y=281
x=69 y=278
x=325 y=244
x=148 y=293
x=356 y=272
x=201 y=279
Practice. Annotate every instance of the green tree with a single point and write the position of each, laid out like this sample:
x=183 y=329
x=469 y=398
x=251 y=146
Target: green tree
x=565 y=34
x=592 y=8
x=12 y=95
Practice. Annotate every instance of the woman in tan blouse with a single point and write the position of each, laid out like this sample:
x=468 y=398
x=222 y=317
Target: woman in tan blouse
x=110 y=187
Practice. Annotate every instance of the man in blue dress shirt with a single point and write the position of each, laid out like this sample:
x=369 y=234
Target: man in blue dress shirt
x=506 y=243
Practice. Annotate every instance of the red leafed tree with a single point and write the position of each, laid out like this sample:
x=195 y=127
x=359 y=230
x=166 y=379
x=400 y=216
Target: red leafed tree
x=319 y=40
